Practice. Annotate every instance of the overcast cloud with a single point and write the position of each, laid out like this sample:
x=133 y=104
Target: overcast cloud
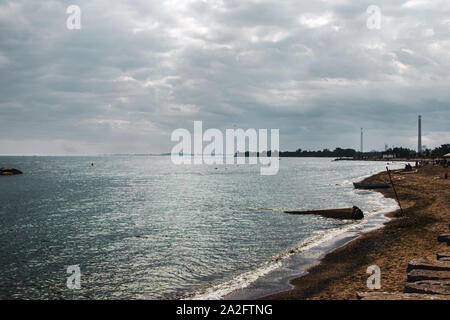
x=139 y=69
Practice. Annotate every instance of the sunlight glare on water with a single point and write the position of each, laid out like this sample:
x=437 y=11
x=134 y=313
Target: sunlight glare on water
x=141 y=227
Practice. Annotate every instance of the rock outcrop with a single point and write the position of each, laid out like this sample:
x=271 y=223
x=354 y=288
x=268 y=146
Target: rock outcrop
x=357 y=214
x=9 y=171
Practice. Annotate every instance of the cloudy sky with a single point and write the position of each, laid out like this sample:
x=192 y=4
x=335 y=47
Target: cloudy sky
x=138 y=69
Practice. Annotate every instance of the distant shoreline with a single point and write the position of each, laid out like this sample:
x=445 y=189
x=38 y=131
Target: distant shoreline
x=387 y=160
x=342 y=272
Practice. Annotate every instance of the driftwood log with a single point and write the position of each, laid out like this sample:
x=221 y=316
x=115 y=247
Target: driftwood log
x=344 y=213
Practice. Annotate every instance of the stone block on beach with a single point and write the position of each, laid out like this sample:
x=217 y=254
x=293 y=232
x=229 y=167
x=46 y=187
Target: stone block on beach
x=421 y=274
x=429 y=287
x=443 y=255
x=428 y=265
x=445 y=237
x=398 y=296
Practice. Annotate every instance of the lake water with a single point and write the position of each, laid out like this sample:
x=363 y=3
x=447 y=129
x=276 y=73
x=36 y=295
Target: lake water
x=142 y=227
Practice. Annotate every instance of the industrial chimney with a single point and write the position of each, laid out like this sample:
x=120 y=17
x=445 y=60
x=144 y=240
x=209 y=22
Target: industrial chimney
x=361 y=147
x=419 y=137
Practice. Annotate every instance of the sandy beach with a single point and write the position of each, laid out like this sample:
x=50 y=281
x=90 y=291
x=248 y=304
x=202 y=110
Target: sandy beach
x=425 y=198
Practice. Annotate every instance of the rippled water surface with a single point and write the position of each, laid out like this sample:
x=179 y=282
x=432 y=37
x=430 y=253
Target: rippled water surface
x=141 y=227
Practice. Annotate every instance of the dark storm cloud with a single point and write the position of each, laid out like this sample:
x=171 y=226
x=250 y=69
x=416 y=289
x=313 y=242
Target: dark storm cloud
x=139 y=69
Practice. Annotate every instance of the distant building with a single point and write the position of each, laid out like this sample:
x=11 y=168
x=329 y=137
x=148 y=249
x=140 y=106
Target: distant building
x=389 y=156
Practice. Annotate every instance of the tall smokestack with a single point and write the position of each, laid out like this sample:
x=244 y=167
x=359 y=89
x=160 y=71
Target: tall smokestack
x=419 y=137
x=361 y=147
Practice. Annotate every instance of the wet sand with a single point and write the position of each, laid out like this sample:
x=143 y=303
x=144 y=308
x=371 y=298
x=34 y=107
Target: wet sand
x=425 y=197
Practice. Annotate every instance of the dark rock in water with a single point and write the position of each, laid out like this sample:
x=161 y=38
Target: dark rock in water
x=359 y=185
x=357 y=214
x=429 y=287
x=428 y=265
x=420 y=274
x=9 y=171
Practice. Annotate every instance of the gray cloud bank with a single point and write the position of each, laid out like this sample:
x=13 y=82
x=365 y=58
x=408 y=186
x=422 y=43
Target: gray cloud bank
x=136 y=70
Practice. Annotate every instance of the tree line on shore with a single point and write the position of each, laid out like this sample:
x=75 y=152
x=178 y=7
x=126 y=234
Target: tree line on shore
x=397 y=152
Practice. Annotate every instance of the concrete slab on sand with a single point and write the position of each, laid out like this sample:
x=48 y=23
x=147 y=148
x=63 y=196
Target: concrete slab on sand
x=429 y=287
x=443 y=255
x=398 y=296
x=421 y=274
x=424 y=264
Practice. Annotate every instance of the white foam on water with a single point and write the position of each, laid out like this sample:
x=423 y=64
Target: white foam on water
x=243 y=280
x=239 y=282
x=220 y=290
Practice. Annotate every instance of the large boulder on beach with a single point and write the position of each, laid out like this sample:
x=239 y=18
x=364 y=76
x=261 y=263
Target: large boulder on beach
x=357 y=213
x=9 y=171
